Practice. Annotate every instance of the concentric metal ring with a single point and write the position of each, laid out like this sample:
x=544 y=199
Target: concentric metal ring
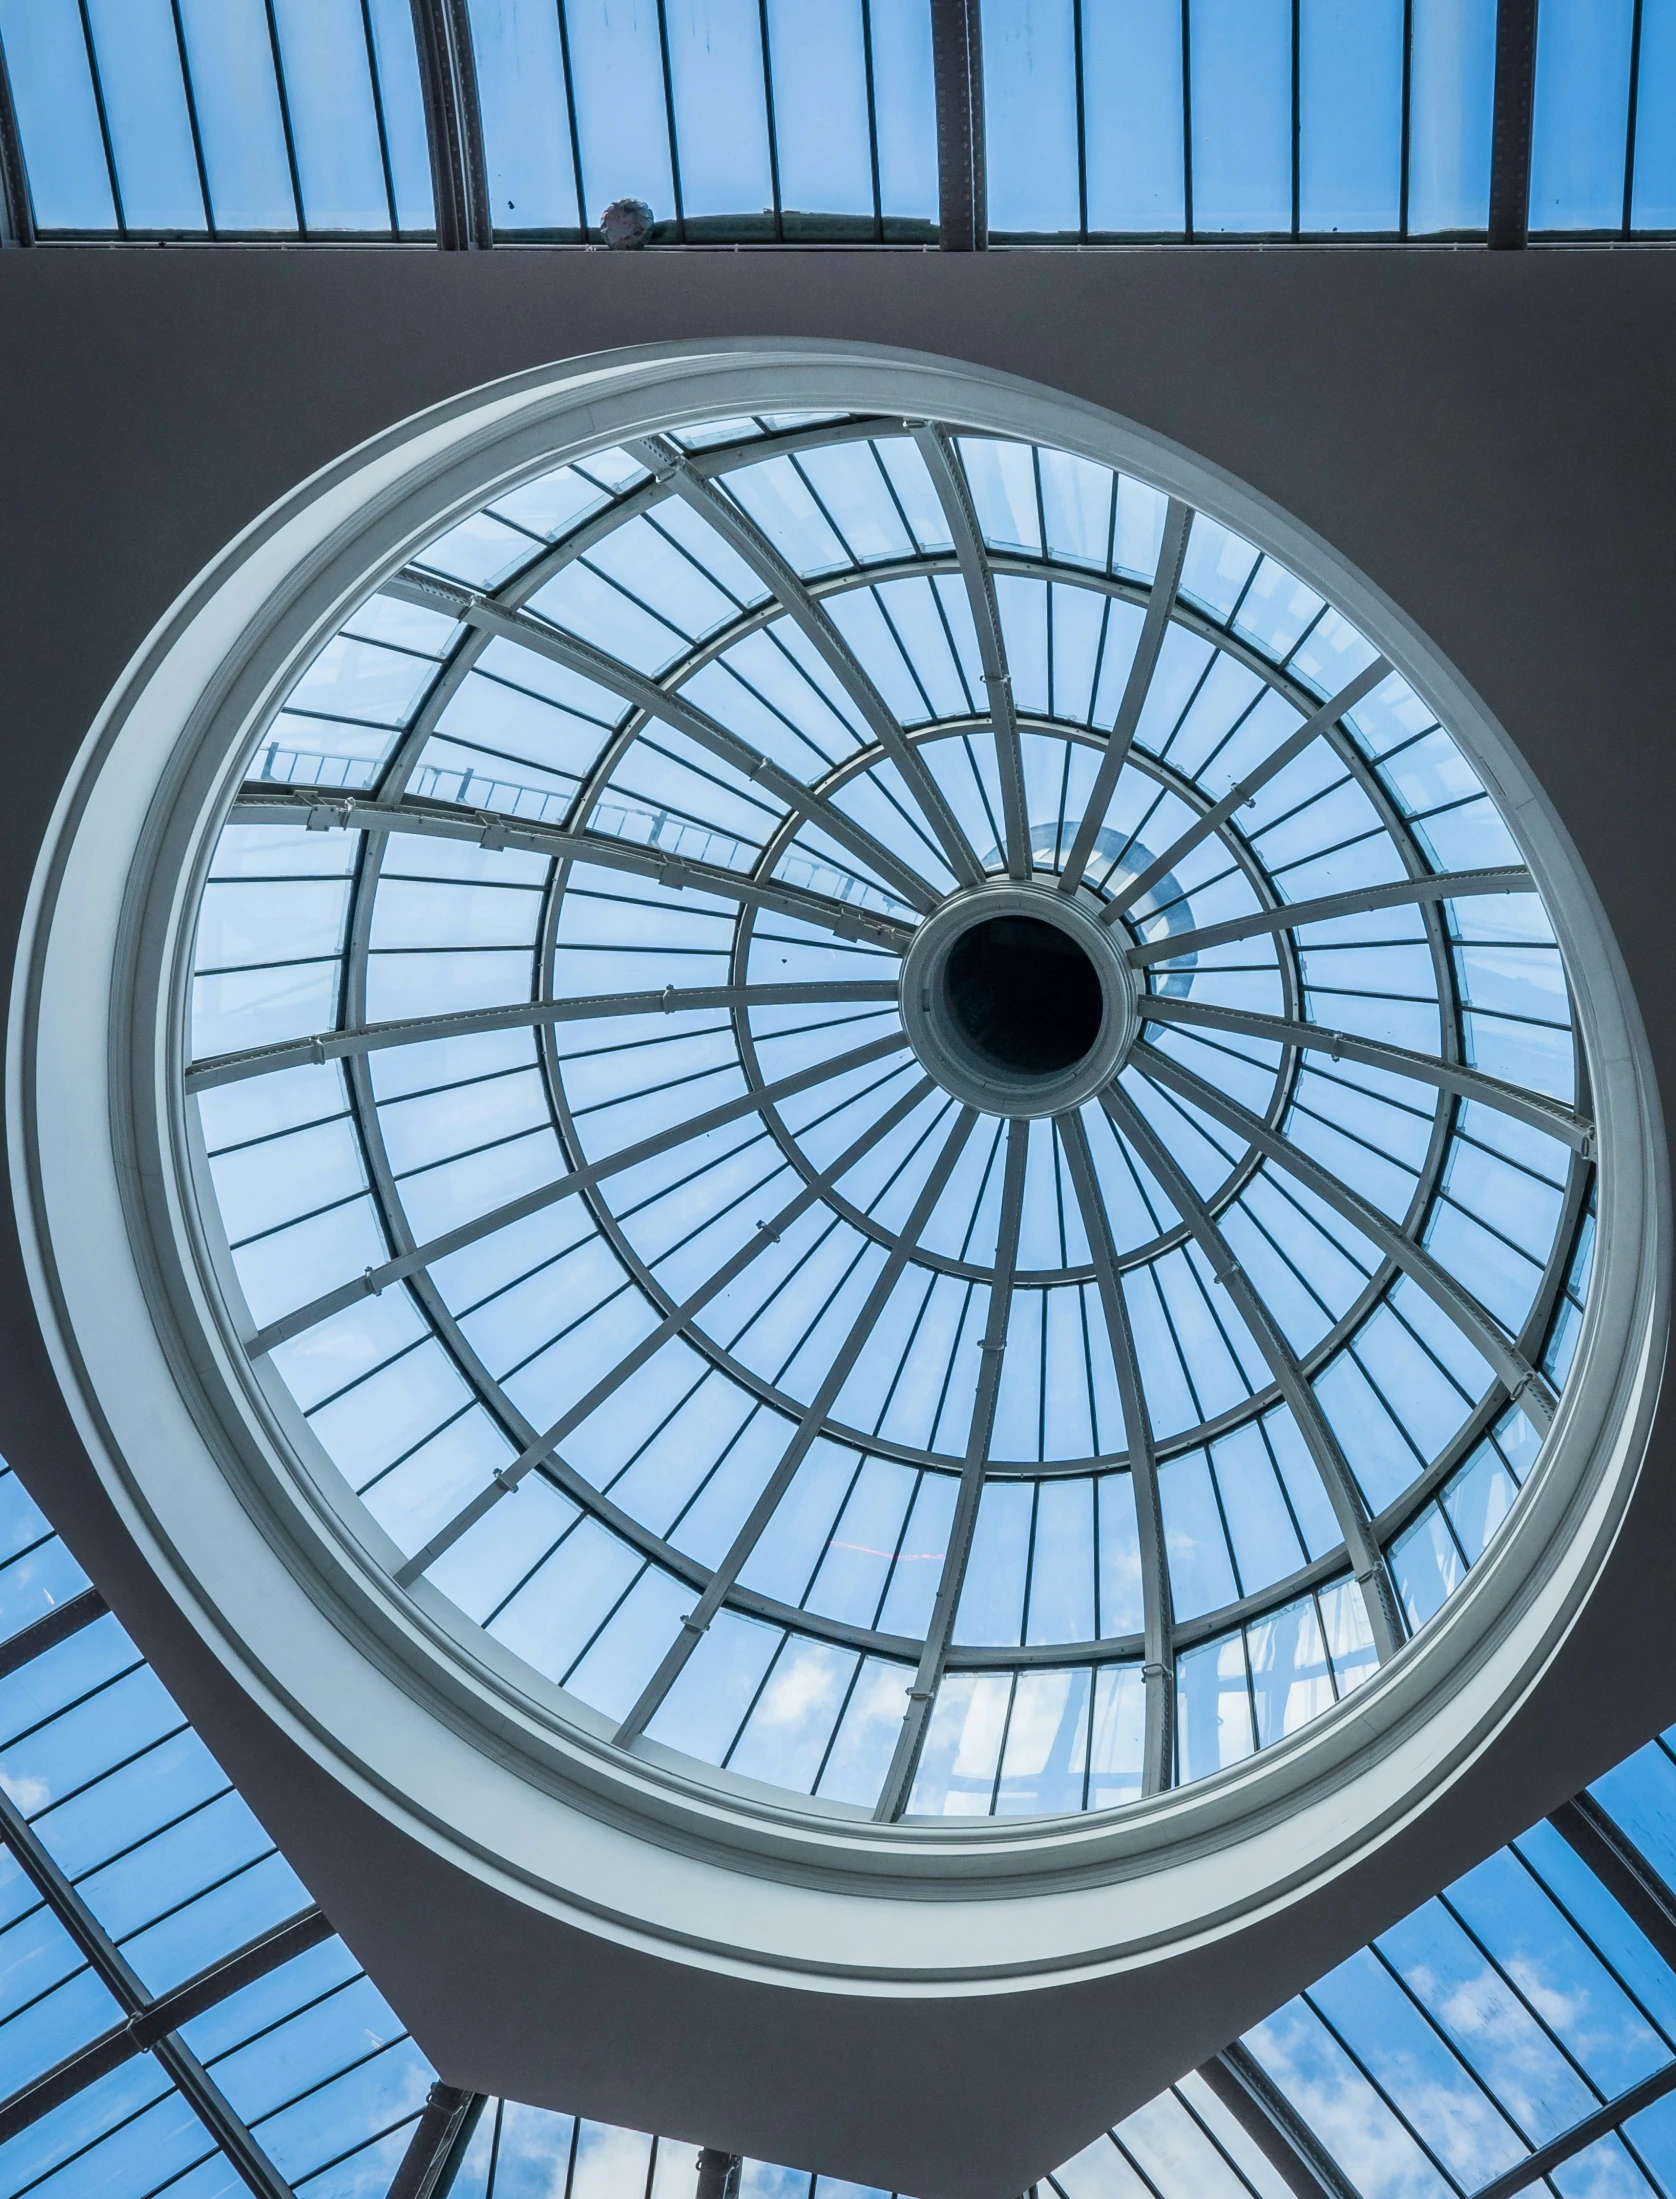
x=972 y=1073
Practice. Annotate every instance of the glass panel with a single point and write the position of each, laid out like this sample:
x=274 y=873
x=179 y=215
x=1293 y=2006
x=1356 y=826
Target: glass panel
x=1582 y=114
x=526 y=136
x=1030 y=110
x=1451 y=95
x=1242 y=115
x=57 y=116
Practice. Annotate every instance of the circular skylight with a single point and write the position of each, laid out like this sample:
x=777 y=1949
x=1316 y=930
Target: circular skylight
x=896 y=1108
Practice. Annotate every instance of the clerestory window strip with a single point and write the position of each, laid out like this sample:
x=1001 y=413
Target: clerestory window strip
x=1054 y=122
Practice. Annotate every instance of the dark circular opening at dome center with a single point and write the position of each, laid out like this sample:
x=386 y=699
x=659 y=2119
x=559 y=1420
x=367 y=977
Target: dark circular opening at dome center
x=1023 y=995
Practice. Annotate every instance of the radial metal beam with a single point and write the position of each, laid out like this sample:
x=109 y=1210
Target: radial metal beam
x=1178 y=520
x=809 y=1428
x=1346 y=1498
x=957 y=69
x=323 y=809
x=674 y=1323
x=453 y=124
x=53 y=1627
x=910 y=1742
x=17 y=212
x=1583 y=2134
x=1266 y=2115
x=1510 y=131
x=1218 y=814
x=108 y=1963
x=954 y=493
x=1458 y=885
x=645 y=695
x=668 y=464
x=1445 y=1076
x=372 y=1038
x=1158 y=1618
x=718 y=2174
x=1486 y=1335
x=376 y=1279
x=438 y=2145
x=1628 y=1877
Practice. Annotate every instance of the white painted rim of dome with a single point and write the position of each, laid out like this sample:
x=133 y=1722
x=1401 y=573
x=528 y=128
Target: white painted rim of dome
x=463 y=1748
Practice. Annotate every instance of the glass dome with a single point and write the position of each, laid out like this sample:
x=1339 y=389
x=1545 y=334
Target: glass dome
x=897 y=1110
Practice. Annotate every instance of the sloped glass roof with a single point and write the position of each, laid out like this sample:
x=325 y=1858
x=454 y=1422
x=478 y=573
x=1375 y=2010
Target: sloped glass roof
x=567 y=1065
x=175 y=2014
x=176 y=2018
x=779 y=120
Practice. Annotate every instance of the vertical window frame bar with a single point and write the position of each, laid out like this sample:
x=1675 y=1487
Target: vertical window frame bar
x=1297 y=169
x=1187 y=120
x=773 y=132
x=582 y=222
x=97 y=81
x=378 y=116
x=873 y=133
x=1632 y=119
x=285 y=117
x=669 y=114
x=17 y=205
x=1407 y=122
x=191 y=96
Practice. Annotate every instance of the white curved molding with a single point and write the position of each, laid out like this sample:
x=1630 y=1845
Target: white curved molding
x=438 y=1731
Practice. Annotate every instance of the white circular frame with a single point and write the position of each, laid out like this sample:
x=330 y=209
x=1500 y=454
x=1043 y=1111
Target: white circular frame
x=452 y=1739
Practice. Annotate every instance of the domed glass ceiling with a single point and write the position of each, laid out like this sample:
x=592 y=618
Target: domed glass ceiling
x=898 y=1110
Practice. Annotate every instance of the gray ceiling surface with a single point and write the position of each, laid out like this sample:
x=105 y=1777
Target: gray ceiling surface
x=1490 y=437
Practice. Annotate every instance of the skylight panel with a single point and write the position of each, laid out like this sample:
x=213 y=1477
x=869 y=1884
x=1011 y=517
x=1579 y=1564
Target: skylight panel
x=1452 y=78
x=146 y=114
x=737 y=1276
x=52 y=89
x=717 y=80
x=1350 y=98
x=1653 y=192
x=1242 y=115
x=241 y=122
x=905 y=110
x=1579 y=132
x=331 y=109
x=522 y=93
x=1030 y=101
x=622 y=120
x=821 y=99
x=1134 y=136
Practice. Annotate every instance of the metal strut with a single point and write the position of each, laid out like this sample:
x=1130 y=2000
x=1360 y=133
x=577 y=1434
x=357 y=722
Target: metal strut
x=957 y=64
x=453 y=125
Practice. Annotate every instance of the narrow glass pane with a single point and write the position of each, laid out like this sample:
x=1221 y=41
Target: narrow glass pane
x=1452 y=72
x=721 y=111
x=1582 y=114
x=145 y=106
x=1654 y=202
x=404 y=112
x=1349 y=114
x=819 y=66
x=1030 y=112
x=1242 y=115
x=334 y=124
x=526 y=126
x=905 y=107
x=621 y=119
x=230 y=56
x=1131 y=63
x=52 y=89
